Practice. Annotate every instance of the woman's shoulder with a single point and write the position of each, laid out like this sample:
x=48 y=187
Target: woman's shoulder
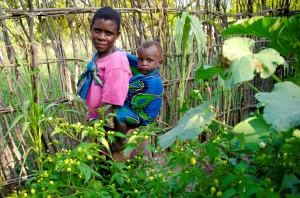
x=115 y=58
x=118 y=56
x=119 y=53
x=118 y=60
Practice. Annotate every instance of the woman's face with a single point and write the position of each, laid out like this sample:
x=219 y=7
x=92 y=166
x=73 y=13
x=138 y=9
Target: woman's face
x=104 y=34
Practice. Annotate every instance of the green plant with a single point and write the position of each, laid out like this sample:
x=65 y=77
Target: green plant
x=90 y=170
x=282 y=32
x=188 y=30
x=256 y=158
x=274 y=127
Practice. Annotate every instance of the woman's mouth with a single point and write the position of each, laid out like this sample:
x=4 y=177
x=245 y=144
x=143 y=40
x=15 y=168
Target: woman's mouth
x=99 y=45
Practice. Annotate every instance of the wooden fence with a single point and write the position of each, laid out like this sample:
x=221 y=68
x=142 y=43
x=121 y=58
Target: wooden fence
x=55 y=39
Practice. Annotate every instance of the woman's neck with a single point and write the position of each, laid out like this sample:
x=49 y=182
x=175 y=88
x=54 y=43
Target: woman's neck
x=107 y=53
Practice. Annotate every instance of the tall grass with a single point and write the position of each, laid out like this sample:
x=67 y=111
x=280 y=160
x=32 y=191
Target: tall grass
x=190 y=42
x=33 y=118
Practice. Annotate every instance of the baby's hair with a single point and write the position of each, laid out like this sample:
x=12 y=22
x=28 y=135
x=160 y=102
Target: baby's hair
x=107 y=13
x=147 y=44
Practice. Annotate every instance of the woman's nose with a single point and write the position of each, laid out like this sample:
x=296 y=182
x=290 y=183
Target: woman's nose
x=101 y=35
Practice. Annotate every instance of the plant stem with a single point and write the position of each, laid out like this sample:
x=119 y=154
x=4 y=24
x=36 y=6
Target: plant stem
x=276 y=78
x=251 y=86
x=220 y=123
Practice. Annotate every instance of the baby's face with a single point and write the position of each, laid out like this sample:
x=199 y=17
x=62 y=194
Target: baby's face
x=149 y=59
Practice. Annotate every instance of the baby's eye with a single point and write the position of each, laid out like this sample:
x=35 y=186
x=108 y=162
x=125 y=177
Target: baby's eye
x=149 y=60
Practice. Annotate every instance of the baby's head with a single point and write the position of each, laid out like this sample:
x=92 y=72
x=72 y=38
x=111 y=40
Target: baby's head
x=107 y=13
x=150 y=56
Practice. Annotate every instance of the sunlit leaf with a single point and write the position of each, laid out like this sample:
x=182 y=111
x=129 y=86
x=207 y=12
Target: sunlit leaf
x=57 y=130
x=253 y=129
x=193 y=122
x=282 y=106
x=179 y=31
x=244 y=65
x=281 y=31
x=84 y=133
x=104 y=142
x=296 y=133
x=197 y=29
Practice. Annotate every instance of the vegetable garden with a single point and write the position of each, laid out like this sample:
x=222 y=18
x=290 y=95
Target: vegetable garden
x=230 y=121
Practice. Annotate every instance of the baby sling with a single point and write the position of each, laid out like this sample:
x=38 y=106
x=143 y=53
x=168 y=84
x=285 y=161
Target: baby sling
x=85 y=79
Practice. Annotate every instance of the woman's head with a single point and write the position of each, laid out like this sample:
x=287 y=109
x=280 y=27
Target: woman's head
x=105 y=30
x=107 y=13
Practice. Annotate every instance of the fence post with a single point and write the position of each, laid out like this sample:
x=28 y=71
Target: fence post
x=33 y=53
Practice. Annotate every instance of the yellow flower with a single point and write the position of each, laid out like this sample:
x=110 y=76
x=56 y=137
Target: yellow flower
x=193 y=161
x=66 y=161
x=216 y=182
x=213 y=189
x=89 y=157
x=219 y=193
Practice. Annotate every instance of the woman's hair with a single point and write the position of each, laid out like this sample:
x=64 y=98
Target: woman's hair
x=107 y=13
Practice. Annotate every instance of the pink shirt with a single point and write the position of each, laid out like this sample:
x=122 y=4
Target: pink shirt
x=115 y=72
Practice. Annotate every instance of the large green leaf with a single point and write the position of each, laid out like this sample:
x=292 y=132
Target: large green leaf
x=244 y=65
x=253 y=129
x=283 y=34
x=206 y=72
x=282 y=106
x=187 y=28
x=193 y=122
x=180 y=23
x=198 y=32
x=281 y=31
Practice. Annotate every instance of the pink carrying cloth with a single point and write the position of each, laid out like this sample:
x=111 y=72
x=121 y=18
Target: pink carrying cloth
x=114 y=71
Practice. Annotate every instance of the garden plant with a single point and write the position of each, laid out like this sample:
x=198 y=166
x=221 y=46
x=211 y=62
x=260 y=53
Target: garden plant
x=258 y=157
